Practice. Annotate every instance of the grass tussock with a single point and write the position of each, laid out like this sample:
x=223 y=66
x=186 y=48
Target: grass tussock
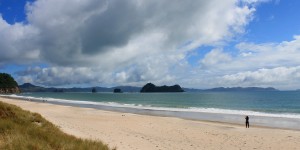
x=20 y=129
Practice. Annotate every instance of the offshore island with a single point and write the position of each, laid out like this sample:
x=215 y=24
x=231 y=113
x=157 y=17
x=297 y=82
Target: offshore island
x=150 y=88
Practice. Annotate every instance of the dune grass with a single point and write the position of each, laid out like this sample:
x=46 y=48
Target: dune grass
x=20 y=129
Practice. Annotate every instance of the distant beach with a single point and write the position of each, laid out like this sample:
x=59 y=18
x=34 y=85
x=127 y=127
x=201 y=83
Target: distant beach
x=128 y=131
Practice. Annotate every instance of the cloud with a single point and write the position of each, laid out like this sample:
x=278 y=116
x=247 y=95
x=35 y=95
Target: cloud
x=17 y=43
x=265 y=64
x=55 y=76
x=273 y=55
x=128 y=41
x=87 y=30
x=251 y=56
x=215 y=56
x=283 y=77
x=147 y=70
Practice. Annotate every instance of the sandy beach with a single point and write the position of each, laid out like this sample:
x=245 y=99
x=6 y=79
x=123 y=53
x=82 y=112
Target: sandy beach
x=127 y=131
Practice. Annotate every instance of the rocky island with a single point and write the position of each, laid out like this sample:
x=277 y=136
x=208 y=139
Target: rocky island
x=117 y=90
x=149 y=87
x=8 y=84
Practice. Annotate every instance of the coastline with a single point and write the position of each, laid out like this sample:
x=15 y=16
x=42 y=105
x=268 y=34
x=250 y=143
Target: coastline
x=281 y=121
x=134 y=131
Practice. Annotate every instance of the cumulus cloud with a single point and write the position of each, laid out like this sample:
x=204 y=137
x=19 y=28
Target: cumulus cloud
x=119 y=41
x=55 y=76
x=271 y=55
x=147 y=70
x=265 y=64
x=87 y=31
x=215 y=57
x=17 y=43
x=283 y=77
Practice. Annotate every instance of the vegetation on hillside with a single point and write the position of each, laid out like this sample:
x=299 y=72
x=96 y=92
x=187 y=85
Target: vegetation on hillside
x=7 y=81
x=20 y=129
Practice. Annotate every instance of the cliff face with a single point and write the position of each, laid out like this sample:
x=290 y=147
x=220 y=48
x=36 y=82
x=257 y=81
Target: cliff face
x=8 y=84
x=9 y=90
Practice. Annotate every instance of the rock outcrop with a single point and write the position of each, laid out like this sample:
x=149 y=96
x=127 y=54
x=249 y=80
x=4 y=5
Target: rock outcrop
x=9 y=90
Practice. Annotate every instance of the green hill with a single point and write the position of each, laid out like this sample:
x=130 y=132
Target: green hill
x=8 y=84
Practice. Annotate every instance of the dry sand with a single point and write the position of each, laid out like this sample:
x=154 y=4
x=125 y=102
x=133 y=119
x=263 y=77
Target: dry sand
x=127 y=131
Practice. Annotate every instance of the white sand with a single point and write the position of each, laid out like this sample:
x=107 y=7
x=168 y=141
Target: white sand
x=130 y=131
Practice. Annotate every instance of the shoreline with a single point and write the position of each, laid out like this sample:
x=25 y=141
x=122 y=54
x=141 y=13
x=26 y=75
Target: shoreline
x=127 y=131
x=237 y=119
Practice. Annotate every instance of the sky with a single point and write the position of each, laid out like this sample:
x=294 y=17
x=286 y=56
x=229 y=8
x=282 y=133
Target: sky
x=193 y=43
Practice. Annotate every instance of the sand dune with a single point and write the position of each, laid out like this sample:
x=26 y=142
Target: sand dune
x=140 y=132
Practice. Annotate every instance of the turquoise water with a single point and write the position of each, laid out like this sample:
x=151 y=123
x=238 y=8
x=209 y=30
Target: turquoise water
x=268 y=102
x=280 y=109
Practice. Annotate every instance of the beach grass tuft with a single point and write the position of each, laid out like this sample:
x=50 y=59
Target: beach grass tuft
x=20 y=129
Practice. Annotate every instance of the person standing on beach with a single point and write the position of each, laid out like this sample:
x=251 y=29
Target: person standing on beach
x=247 y=121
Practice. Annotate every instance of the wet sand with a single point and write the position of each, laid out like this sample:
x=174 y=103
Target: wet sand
x=127 y=131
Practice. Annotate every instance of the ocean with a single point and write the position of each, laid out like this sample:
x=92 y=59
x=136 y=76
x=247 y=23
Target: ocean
x=280 y=109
